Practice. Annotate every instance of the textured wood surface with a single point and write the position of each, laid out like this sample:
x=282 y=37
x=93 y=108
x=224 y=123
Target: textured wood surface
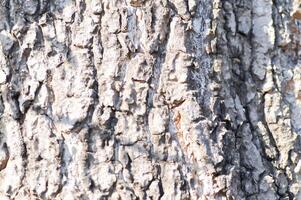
x=150 y=99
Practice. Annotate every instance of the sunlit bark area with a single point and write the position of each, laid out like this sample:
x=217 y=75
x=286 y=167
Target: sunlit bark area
x=150 y=99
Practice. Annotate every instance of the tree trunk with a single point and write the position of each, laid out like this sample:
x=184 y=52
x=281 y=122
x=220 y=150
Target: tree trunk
x=150 y=99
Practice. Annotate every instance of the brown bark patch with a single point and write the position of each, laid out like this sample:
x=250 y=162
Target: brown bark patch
x=177 y=121
x=136 y=3
x=297 y=15
x=290 y=86
x=180 y=136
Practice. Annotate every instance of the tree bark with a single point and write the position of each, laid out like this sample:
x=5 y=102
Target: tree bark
x=150 y=99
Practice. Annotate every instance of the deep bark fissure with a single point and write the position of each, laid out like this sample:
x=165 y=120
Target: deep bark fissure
x=141 y=99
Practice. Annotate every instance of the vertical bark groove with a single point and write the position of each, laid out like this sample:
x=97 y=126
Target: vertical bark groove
x=150 y=99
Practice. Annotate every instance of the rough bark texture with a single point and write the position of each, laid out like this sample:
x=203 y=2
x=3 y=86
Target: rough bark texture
x=150 y=99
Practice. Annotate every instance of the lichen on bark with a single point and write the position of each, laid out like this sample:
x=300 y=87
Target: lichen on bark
x=150 y=99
